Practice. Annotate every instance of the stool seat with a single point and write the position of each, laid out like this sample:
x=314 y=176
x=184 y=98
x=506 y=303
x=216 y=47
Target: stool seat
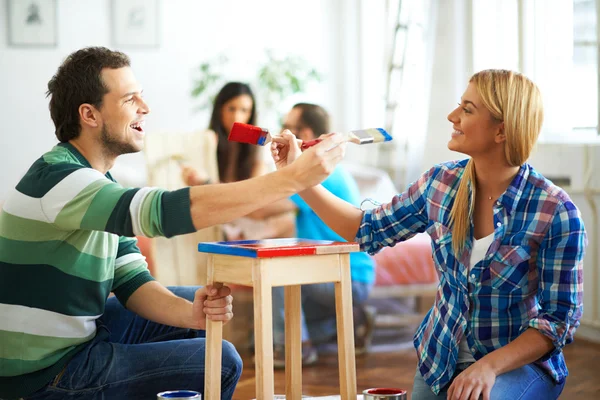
x=290 y=262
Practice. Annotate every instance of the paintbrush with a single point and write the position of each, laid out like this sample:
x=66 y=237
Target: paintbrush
x=245 y=133
x=361 y=136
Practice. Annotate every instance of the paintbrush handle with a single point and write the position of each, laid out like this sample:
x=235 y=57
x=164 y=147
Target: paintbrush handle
x=361 y=136
x=309 y=143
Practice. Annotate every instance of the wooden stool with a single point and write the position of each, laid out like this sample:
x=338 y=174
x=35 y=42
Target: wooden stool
x=290 y=263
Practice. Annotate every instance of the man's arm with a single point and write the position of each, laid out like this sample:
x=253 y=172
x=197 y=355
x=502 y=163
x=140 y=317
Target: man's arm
x=156 y=303
x=217 y=204
x=273 y=209
x=83 y=198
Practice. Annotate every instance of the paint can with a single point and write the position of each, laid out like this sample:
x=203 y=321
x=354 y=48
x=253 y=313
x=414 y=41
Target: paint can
x=384 y=394
x=179 y=394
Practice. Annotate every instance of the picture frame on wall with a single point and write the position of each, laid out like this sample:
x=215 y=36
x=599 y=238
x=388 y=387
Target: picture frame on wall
x=32 y=23
x=136 y=23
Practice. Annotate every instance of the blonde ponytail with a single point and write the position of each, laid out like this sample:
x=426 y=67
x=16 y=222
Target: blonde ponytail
x=462 y=210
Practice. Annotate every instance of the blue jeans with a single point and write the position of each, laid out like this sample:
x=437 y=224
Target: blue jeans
x=526 y=383
x=139 y=359
x=318 y=317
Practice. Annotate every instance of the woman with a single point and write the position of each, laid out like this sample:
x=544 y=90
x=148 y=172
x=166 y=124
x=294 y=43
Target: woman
x=237 y=161
x=508 y=245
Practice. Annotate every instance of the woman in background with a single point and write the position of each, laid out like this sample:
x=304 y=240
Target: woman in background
x=235 y=102
x=237 y=161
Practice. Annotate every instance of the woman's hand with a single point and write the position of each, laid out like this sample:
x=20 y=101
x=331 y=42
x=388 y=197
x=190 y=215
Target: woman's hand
x=314 y=165
x=473 y=382
x=285 y=148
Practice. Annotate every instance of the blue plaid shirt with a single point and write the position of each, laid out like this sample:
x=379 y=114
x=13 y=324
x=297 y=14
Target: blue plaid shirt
x=530 y=277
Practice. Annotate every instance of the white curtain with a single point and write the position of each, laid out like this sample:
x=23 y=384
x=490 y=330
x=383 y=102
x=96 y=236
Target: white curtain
x=409 y=87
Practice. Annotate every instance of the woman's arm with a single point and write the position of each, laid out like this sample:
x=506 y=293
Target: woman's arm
x=341 y=216
x=530 y=346
x=398 y=220
x=480 y=377
x=560 y=271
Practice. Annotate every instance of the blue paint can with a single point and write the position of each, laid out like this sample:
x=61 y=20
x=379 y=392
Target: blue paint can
x=179 y=394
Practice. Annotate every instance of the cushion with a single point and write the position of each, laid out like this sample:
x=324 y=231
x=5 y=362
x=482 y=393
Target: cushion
x=407 y=262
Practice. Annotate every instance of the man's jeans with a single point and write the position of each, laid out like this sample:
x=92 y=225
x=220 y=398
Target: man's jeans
x=526 y=383
x=318 y=316
x=140 y=359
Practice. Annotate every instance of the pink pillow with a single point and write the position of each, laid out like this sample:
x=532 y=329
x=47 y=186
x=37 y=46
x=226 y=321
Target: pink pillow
x=407 y=262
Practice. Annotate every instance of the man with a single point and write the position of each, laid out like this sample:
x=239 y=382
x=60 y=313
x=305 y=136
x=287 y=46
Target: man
x=66 y=243
x=308 y=122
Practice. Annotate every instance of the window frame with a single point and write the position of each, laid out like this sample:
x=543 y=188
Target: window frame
x=592 y=43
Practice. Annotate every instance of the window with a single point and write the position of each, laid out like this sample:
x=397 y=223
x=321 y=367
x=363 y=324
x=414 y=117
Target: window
x=585 y=65
x=553 y=42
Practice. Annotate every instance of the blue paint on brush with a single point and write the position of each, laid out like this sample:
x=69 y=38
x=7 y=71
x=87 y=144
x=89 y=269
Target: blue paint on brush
x=386 y=135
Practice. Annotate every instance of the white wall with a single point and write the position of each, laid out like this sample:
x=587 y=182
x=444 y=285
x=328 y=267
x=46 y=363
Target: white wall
x=192 y=32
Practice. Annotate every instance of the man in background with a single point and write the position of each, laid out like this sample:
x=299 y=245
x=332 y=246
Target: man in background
x=318 y=318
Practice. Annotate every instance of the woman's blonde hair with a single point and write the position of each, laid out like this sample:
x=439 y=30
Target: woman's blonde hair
x=514 y=99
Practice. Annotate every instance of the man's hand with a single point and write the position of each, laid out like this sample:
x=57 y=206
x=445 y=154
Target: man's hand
x=216 y=304
x=315 y=164
x=473 y=382
x=285 y=148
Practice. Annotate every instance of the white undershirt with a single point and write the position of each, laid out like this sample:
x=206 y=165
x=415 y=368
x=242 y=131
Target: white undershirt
x=480 y=247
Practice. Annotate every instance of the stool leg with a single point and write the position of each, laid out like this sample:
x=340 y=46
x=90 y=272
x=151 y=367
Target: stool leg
x=293 y=343
x=263 y=335
x=345 y=331
x=212 y=378
x=212 y=357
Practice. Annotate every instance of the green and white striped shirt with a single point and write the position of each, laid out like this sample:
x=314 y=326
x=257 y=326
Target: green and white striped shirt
x=66 y=242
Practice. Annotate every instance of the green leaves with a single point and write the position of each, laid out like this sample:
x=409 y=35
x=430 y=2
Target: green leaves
x=282 y=77
x=206 y=85
x=276 y=79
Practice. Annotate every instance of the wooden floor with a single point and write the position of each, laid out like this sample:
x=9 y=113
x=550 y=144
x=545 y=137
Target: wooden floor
x=398 y=368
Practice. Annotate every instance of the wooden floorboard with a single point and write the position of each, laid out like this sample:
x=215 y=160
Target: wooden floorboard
x=397 y=369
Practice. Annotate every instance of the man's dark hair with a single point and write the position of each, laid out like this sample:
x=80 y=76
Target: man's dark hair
x=78 y=81
x=315 y=117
